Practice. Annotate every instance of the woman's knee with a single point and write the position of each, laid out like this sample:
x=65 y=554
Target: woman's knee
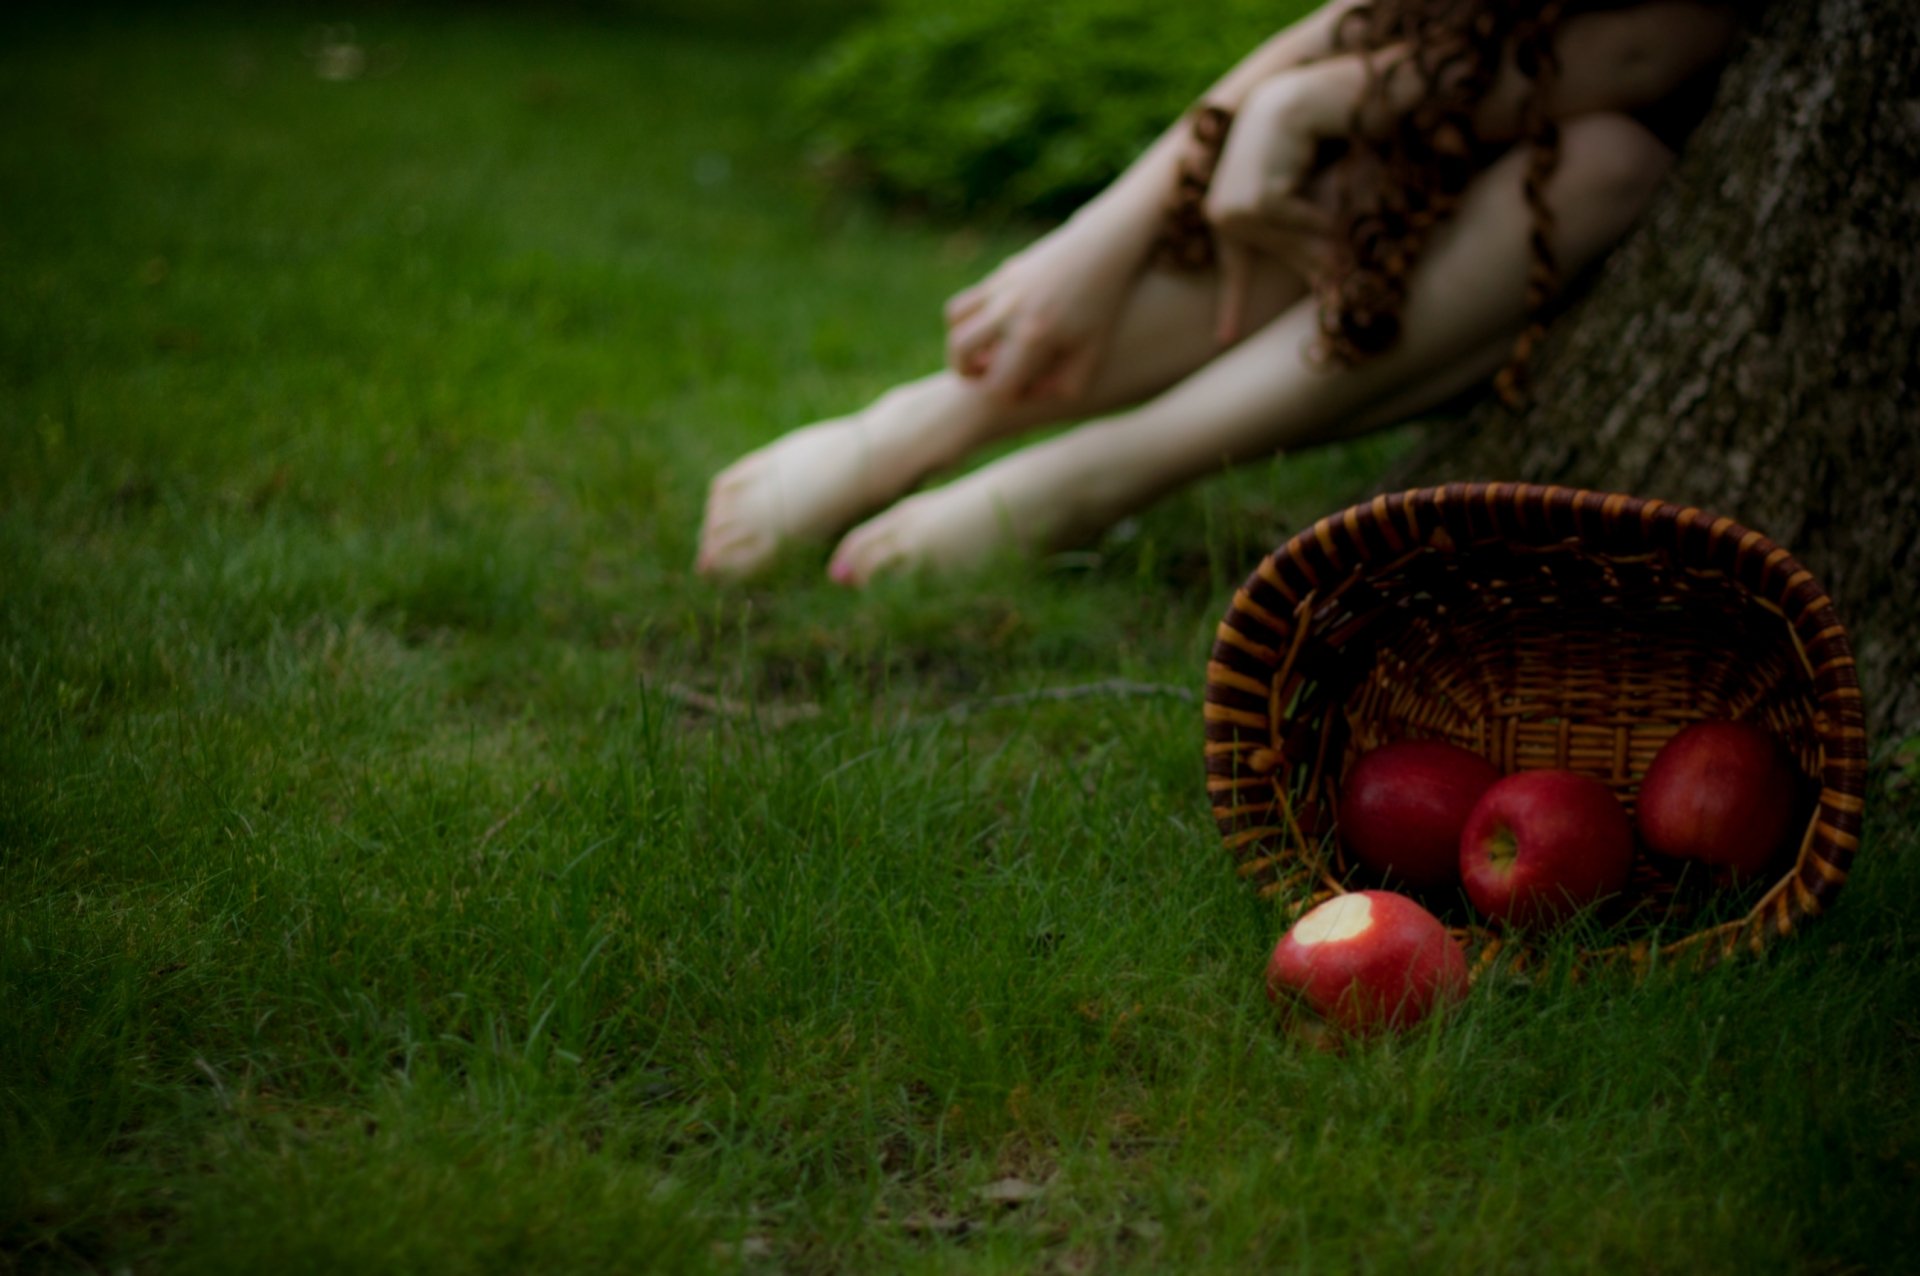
x=1609 y=167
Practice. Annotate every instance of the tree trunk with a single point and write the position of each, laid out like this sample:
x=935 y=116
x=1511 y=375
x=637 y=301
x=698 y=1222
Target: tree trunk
x=1751 y=348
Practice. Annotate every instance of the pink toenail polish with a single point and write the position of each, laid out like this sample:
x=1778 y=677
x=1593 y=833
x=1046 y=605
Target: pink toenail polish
x=840 y=573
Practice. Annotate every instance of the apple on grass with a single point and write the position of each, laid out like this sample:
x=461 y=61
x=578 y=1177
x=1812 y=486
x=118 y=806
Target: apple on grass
x=1369 y=961
x=1542 y=845
x=1722 y=793
x=1402 y=807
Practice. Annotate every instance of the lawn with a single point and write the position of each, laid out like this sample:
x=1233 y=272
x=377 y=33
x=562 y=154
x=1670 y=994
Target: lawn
x=407 y=864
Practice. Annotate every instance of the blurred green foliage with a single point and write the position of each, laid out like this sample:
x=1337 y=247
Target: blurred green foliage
x=779 y=19
x=1007 y=107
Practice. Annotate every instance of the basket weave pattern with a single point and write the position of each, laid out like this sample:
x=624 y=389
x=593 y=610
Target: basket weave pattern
x=1538 y=627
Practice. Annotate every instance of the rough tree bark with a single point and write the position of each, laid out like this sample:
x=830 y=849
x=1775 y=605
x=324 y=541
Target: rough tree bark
x=1752 y=347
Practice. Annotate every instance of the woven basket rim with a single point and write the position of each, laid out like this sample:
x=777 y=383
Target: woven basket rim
x=1270 y=618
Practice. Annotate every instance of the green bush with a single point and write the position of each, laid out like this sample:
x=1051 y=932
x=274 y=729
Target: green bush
x=776 y=19
x=1004 y=106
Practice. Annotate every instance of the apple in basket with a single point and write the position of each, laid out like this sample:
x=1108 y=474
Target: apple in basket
x=1402 y=807
x=1368 y=961
x=1722 y=793
x=1541 y=845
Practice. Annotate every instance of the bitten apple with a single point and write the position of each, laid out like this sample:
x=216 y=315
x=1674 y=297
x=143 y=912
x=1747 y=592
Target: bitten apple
x=1403 y=805
x=1722 y=793
x=1369 y=961
x=1541 y=845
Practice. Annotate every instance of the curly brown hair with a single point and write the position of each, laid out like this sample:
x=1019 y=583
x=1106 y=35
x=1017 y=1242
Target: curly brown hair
x=1404 y=176
x=1404 y=173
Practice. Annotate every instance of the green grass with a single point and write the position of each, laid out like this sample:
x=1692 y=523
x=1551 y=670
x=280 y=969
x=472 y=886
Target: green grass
x=367 y=900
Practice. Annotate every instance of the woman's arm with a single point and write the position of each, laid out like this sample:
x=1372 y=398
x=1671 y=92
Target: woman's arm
x=1615 y=60
x=1037 y=325
x=1144 y=187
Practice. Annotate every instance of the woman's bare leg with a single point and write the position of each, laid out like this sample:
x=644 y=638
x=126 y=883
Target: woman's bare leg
x=1466 y=301
x=816 y=481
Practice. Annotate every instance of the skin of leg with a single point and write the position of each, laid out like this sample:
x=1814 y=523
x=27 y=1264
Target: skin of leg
x=819 y=479
x=1466 y=302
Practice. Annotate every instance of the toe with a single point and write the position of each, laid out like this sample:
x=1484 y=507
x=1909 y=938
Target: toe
x=734 y=554
x=867 y=551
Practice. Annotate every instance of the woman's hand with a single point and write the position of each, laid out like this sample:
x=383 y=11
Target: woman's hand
x=1256 y=202
x=1037 y=326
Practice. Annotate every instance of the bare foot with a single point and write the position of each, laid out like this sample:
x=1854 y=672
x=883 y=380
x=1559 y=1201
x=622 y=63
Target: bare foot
x=804 y=485
x=1028 y=500
x=814 y=482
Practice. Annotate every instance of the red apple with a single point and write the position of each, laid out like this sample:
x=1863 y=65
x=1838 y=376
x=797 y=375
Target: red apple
x=1541 y=845
x=1403 y=805
x=1368 y=961
x=1722 y=793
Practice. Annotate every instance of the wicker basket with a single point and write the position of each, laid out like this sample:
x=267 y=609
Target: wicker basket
x=1538 y=627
